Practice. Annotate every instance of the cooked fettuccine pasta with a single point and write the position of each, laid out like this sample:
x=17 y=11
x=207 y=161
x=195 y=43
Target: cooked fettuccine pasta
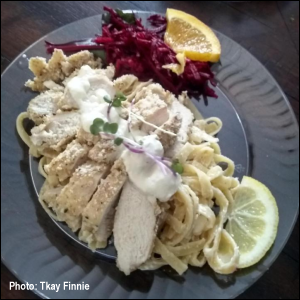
x=193 y=233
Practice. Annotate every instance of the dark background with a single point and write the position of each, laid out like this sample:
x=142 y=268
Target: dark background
x=267 y=29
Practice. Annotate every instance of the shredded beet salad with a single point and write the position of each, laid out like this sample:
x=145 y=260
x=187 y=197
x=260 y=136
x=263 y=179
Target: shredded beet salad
x=134 y=49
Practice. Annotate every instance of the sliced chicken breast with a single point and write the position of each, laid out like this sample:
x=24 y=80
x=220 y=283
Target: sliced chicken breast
x=125 y=83
x=42 y=106
x=175 y=150
x=52 y=136
x=109 y=72
x=172 y=125
x=54 y=87
x=62 y=166
x=84 y=137
x=49 y=194
x=98 y=216
x=135 y=228
x=153 y=110
x=58 y=67
x=103 y=152
x=155 y=89
x=75 y=196
x=77 y=60
x=187 y=118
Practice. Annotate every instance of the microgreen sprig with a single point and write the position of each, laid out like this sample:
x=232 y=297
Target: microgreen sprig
x=100 y=126
x=115 y=102
x=107 y=99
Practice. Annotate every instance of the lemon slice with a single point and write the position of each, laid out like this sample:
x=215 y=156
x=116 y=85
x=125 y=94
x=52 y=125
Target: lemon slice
x=253 y=222
x=188 y=35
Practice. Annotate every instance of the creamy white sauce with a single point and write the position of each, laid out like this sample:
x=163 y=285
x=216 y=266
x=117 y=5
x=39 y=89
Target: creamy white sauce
x=88 y=90
x=147 y=174
x=78 y=87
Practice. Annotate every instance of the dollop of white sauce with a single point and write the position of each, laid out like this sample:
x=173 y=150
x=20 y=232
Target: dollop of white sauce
x=88 y=90
x=147 y=174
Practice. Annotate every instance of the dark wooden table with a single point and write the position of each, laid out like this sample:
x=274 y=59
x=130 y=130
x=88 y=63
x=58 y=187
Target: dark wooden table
x=269 y=30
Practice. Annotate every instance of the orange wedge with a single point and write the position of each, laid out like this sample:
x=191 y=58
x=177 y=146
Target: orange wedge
x=186 y=34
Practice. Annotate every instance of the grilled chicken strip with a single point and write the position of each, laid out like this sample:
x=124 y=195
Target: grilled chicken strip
x=51 y=137
x=76 y=195
x=63 y=165
x=98 y=216
x=43 y=106
x=135 y=228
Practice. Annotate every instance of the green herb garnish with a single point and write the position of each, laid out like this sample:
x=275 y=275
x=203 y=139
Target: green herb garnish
x=98 y=122
x=120 y=96
x=100 y=126
x=110 y=128
x=117 y=101
x=118 y=141
x=97 y=126
x=127 y=17
x=113 y=128
x=107 y=99
x=177 y=167
x=94 y=130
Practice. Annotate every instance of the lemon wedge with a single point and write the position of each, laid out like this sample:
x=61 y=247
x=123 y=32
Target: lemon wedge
x=253 y=222
x=186 y=34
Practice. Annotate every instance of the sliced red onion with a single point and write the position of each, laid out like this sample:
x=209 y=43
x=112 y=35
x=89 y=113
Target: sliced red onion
x=133 y=149
x=161 y=163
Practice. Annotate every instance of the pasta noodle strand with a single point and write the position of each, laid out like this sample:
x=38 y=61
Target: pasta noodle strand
x=192 y=233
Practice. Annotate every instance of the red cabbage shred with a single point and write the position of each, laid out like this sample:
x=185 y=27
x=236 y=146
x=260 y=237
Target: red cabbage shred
x=134 y=49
